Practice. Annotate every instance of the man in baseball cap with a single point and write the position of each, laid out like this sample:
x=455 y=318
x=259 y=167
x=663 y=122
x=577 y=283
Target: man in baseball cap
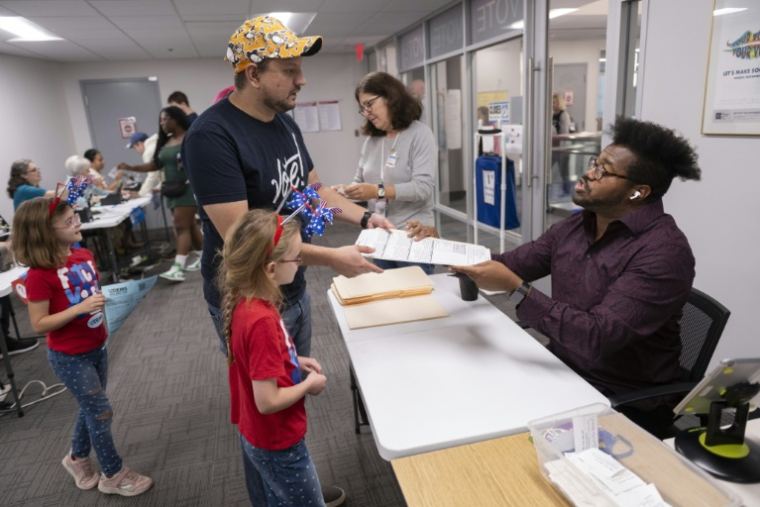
x=244 y=152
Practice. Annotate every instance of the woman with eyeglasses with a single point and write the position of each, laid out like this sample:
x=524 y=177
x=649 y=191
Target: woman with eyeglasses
x=24 y=182
x=398 y=160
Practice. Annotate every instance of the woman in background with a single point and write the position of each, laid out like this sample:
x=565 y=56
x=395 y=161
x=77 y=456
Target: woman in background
x=24 y=183
x=96 y=169
x=398 y=160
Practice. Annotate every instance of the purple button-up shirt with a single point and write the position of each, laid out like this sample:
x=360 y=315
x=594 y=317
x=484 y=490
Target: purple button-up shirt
x=616 y=302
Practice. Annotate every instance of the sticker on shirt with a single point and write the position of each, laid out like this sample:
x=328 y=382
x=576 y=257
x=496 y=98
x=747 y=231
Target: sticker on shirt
x=79 y=282
x=95 y=320
x=381 y=207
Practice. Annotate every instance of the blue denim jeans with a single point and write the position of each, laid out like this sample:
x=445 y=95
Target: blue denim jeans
x=85 y=376
x=383 y=264
x=297 y=319
x=281 y=478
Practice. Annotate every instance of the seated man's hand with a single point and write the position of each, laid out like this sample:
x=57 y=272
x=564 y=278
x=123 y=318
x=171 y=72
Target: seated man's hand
x=125 y=166
x=491 y=275
x=361 y=191
x=379 y=222
x=419 y=231
x=349 y=261
x=341 y=189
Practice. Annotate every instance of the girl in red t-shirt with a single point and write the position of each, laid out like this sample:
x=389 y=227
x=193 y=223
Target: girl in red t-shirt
x=65 y=302
x=266 y=388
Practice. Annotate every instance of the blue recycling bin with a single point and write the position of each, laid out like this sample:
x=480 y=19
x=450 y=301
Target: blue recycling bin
x=488 y=188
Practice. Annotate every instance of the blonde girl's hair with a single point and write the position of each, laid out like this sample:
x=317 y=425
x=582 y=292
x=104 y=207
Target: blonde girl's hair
x=561 y=104
x=34 y=242
x=245 y=255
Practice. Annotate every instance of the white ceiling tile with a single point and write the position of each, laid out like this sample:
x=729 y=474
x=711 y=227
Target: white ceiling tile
x=428 y=6
x=352 y=5
x=67 y=8
x=61 y=50
x=363 y=39
x=134 y=7
x=215 y=28
x=116 y=50
x=141 y=33
x=339 y=19
x=159 y=47
x=335 y=32
x=266 y=6
x=154 y=22
x=392 y=18
x=202 y=7
x=236 y=18
x=381 y=29
x=54 y=23
x=75 y=35
x=211 y=49
x=10 y=49
x=6 y=12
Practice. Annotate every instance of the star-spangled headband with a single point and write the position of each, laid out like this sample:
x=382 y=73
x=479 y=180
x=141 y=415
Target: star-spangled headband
x=277 y=235
x=76 y=187
x=317 y=216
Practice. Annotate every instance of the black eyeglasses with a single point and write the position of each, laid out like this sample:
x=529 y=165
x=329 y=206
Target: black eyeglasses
x=367 y=106
x=600 y=171
x=298 y=260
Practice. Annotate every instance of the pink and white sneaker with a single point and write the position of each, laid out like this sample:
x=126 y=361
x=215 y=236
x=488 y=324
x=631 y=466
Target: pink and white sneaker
x=81 y=470
x=126 y=483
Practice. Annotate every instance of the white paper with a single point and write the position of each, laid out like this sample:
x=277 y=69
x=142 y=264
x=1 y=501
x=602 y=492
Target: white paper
x=306 y=115
x=329 y=115
x=113 y=172
x=577 y=491
x=394 y=245
x=585 y=432
x=619 y=482
x=489 y=187
x=598 y=463
x=453 y=111
x=122 y=299
x=512 y=138
x=644 y=496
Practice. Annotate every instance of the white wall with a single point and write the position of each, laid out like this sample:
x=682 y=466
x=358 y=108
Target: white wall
x=34 y=121
x=335 y=154
x=719 y=215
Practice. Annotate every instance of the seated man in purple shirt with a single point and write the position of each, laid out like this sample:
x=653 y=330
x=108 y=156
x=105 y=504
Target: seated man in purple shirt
x=621 y=270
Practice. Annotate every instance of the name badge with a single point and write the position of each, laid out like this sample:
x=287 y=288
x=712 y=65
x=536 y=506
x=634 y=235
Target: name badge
x=392 y=157
x=381 y=206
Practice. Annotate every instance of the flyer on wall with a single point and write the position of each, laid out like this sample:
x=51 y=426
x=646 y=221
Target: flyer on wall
x=732 y=90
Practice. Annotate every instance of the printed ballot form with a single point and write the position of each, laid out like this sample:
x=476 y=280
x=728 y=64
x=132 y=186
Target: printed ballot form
x=394 y=245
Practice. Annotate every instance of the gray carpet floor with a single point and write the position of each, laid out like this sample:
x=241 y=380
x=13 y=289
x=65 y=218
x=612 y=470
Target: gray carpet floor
x=168 y=387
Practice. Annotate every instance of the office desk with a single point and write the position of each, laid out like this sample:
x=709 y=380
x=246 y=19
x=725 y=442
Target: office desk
x=105 y=218
x=497 y=473
x=470 y=377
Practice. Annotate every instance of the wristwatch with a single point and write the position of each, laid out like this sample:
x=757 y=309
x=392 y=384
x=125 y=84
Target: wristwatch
x=381 y=191
x=519 y=294
x=365 y=219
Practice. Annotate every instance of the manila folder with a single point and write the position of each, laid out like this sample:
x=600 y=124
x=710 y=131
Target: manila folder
x=393 y=311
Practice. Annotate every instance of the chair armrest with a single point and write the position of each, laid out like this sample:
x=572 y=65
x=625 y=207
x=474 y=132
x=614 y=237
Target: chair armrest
x=652 y=392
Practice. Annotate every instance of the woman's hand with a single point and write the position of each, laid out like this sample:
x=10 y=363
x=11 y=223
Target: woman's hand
x=361 y=191
x=419 y=231
x=341 y=189
x=119 y=175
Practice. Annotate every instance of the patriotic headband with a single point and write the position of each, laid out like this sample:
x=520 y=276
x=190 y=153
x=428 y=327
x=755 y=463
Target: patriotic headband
x=76 y=187
x=277 y=235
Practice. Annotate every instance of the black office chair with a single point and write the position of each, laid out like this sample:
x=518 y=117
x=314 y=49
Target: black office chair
x=702 y=324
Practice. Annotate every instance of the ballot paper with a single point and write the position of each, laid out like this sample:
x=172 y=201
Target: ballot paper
x=395 y=245
x=122 y=299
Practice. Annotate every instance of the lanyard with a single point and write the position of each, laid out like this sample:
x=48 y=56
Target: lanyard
x=388 y=162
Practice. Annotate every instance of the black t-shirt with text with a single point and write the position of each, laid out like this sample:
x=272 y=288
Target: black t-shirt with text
x=230 y=156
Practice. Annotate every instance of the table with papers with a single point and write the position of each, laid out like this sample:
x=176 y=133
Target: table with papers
x=472 y=376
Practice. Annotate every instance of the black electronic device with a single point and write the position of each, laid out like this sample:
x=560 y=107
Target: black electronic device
x=723 y=452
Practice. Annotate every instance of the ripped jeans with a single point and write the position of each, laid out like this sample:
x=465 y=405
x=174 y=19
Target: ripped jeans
x=85 y=376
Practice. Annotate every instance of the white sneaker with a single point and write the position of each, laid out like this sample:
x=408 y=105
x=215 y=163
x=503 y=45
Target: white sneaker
x=4 y=391
x=176 y=273
x=195 y=265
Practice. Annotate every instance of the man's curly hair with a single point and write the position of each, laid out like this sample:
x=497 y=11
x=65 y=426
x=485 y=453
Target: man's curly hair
x=660 y=154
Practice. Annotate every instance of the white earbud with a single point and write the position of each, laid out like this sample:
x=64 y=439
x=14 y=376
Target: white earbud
x=635 y=195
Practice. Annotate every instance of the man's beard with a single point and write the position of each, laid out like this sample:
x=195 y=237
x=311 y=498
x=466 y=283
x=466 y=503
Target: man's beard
x=279 y=106
x=588 y=202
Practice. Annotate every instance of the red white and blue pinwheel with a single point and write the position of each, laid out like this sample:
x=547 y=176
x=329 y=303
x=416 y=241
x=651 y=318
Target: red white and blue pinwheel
x=77 y=186
x=301 y=203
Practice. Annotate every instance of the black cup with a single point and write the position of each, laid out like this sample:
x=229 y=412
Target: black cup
x=468 y=288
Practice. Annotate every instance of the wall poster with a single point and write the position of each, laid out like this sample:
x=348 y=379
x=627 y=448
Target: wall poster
x=732 y=88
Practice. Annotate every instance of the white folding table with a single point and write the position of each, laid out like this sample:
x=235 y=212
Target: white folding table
x=441 y=383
